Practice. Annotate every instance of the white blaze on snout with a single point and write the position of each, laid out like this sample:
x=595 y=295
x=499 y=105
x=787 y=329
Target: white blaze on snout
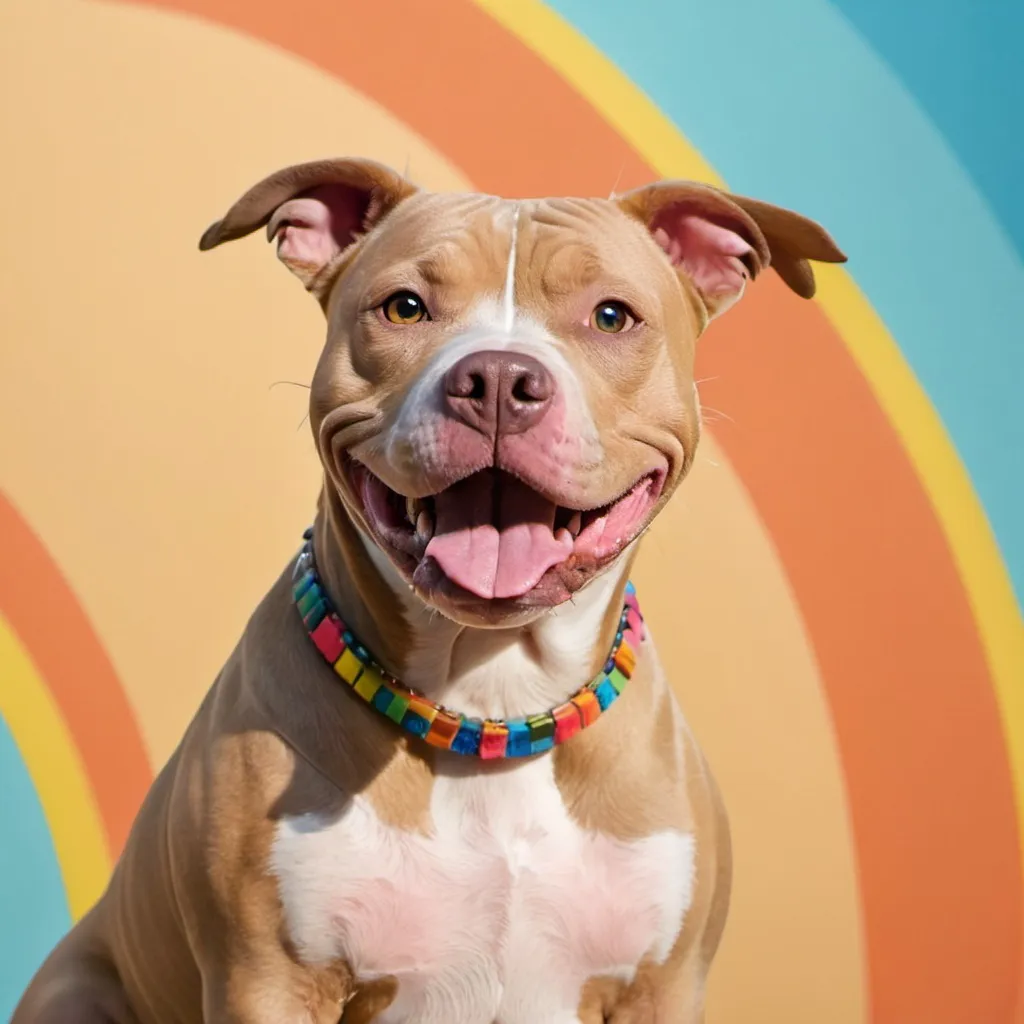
x=414 y=443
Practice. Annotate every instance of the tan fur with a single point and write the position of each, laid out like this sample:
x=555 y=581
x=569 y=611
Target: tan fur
x=191 y=928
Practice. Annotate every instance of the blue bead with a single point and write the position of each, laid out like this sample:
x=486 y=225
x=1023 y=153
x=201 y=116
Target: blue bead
x=630 y=589
x=416 y=724
x=518 y=739
x=467 y=739
x=382 y=699
x=348 y=638
x=609 y=665
x=605 y=693
x=538 y=746
x=361 y=652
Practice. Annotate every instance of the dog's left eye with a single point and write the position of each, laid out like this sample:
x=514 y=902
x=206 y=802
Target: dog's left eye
x=405 y=308
x=612 y=317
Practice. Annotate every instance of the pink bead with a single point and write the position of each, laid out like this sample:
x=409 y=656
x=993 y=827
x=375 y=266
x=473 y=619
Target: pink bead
x=493 y=741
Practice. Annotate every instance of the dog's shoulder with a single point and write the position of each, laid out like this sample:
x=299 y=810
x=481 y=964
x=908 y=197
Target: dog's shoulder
x=636 y=771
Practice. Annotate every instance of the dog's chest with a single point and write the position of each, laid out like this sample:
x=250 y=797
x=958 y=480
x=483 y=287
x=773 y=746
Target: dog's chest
x=500 y=914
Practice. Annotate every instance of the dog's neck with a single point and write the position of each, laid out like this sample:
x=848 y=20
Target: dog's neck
x=482 y=672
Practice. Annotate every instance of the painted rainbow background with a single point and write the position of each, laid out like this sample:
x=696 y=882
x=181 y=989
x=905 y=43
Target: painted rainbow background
x=837 y=589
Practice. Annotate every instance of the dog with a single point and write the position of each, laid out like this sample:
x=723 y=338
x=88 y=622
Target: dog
x=443 y=779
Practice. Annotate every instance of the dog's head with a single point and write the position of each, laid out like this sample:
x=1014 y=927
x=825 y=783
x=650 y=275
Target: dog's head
x=506 y=396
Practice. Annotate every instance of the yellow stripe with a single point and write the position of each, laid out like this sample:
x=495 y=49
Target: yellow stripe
x=659 y=142
x=57 y=773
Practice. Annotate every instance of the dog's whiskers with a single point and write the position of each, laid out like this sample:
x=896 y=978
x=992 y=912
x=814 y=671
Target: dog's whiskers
x=718 y=414
x=293 y=383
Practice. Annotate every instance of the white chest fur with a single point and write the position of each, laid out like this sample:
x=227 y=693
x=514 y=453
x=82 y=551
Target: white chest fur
x=501 y=914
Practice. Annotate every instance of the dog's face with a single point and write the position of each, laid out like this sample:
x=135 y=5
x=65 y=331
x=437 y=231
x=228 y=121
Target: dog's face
x=506 y=397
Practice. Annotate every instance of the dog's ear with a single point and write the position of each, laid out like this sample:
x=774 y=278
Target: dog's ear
x=314 y=211
x=720 y=240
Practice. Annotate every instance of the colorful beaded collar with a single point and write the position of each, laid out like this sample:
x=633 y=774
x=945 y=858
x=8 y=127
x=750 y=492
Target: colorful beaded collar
x=449 y=730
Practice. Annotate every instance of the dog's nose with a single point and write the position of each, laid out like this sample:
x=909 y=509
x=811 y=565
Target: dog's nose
x=499 y=392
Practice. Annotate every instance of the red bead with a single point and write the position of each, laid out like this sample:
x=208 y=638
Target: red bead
x=493 y=740
x=327 y=637
x=567 y=722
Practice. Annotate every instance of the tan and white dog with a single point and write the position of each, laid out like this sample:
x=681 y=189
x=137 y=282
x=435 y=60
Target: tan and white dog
x=504 y=403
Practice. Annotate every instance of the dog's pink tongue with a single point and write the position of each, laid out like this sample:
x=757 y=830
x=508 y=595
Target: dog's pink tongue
x=495 y=538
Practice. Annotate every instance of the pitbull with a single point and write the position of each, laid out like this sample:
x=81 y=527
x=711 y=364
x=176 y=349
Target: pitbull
x=443 y=778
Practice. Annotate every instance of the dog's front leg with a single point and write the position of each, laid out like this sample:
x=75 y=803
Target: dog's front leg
x=275 y=990
x=229 y=791
x=284 y=993
x=674 y=992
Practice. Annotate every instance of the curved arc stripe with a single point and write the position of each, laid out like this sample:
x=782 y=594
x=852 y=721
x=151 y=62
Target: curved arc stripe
x=33 y=895
x=50 y=623
x=636 y=118
x=964 y=72
x=57 y=773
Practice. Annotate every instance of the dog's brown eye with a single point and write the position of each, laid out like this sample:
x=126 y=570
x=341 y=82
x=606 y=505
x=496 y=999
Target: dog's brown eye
x=405 y=308
x=612 y=317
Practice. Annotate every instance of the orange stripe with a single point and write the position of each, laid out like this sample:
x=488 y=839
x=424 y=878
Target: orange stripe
x=46 y=616
x=917 y=723
x=914 y=710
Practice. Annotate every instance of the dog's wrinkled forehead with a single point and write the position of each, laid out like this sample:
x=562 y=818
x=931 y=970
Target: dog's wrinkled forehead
x=510 y=259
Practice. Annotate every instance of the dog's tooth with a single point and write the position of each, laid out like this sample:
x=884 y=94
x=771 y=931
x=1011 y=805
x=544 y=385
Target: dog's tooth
x=424 y=526
x=574 y=524
x=412 y=509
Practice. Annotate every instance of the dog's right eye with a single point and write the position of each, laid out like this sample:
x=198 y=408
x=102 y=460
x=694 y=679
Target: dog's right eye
x=404 y=308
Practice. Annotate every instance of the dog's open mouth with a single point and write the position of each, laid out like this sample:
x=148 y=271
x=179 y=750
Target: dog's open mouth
x=494 y=536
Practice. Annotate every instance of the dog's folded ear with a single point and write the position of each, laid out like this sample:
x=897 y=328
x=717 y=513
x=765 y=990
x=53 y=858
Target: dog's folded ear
x=314 y=211
x=720 y=240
